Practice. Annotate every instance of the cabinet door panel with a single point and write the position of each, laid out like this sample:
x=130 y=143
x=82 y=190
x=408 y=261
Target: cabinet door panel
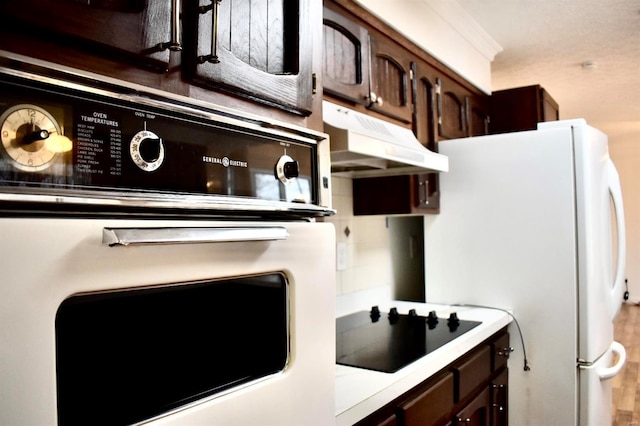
x=390 y=67
x=392 y=78
x=477 y=117
x=252 y=49
x=451 y=112
x=476 y=413
x=133 y=31
x=500 y=399
x=346 y=58
x=425 y=106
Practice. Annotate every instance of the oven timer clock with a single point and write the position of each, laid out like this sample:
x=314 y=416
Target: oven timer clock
x=32 y=139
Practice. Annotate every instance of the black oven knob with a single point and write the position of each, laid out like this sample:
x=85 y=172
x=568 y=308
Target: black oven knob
x=393 y=315
x=453 y=321
x=287 y=169
x=374 y=313
x=147 y=150
x=432 y=318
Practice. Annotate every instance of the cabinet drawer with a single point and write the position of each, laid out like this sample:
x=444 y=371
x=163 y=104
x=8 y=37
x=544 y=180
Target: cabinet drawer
x=472 y=372
x=429 y=406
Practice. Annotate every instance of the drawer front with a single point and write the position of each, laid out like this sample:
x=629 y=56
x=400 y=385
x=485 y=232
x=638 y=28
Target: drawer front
x=429 y=406
x=473 y=371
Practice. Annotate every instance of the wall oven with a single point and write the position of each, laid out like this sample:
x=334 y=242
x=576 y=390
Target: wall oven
x=162 y=260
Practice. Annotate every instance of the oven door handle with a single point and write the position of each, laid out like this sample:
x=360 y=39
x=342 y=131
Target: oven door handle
x=146 y=236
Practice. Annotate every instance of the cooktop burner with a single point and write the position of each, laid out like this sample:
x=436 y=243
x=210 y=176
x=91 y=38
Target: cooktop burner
x=389 y=342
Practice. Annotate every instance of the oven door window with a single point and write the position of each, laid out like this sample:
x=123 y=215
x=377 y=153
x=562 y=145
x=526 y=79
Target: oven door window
x=126 y=356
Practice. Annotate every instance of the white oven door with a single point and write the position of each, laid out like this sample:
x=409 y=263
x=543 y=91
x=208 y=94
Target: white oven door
x=46 y=262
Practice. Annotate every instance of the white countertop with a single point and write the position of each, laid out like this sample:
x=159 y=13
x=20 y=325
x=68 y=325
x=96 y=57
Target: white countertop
x=360 y=392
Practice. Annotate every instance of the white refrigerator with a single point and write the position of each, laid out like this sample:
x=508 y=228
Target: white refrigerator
x=533 y=222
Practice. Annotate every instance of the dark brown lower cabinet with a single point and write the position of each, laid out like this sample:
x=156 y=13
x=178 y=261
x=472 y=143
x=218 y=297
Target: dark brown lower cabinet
x=407 y=194
x=500 y=399
x=430 y=405
x=471 y=391
x=476 y=412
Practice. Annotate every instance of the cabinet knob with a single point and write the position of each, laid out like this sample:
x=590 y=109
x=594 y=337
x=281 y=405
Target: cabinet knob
x=505 y=352
x=375 y=99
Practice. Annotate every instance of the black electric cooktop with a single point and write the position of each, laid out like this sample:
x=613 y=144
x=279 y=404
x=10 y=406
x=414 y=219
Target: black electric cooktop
x=389 y=341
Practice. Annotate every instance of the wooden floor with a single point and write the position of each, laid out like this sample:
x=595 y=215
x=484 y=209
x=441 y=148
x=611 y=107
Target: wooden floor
x=626 y=385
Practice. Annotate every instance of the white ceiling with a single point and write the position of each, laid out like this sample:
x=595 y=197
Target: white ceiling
x=546 y=41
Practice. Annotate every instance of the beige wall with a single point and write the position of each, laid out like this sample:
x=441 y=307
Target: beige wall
x=367 y=250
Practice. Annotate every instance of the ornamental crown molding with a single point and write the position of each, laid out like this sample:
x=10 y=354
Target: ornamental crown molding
x=464 y=24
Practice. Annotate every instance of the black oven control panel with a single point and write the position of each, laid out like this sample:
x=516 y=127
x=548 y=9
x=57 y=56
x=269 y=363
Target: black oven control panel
x=78 y=144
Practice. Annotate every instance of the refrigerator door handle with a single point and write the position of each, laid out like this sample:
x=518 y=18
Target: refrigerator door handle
x=610 y=372
x=616 y=195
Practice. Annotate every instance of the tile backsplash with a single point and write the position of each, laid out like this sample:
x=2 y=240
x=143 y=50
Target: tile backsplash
x=363 y=241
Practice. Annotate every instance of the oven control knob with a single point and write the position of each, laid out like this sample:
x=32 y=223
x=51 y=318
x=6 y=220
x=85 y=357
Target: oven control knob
x=432 y=318
x=287 y=169
x=146 y=150
x=453 y=322
x=393 y=315
x=374 y=313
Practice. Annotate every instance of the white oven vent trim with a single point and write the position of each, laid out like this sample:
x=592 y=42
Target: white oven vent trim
x=365 y=146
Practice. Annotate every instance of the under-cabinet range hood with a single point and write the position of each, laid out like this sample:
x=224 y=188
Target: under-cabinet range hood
x=365 y=146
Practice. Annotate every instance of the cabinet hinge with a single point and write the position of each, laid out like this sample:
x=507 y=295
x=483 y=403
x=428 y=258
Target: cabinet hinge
x=314 y=83
x=583 y=363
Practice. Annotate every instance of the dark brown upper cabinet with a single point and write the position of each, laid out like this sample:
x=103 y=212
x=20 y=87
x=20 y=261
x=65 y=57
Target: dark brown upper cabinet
x=258 y=50
x=424 y=97
x=365 y=69
x=390 y=68
x=138 y=32
x=477 y=109
x=452 y=117
x=407 y=194
x=521 y=108
x=406 y=85
x=346 y=62
x=426 y=197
